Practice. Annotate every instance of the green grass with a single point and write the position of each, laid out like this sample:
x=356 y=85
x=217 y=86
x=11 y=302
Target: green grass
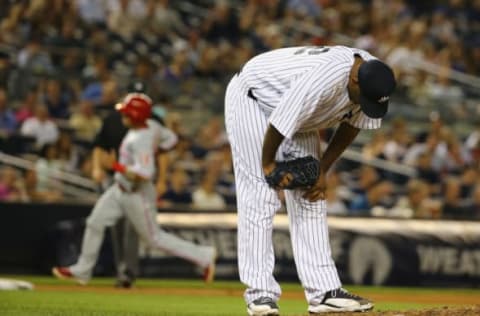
x=123 y=303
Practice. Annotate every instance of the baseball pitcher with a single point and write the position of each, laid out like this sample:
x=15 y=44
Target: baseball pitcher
x=133 y=196
x=274 y=108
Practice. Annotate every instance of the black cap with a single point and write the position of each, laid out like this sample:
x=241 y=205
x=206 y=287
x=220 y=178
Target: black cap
x=377 y=82
x=137 y=86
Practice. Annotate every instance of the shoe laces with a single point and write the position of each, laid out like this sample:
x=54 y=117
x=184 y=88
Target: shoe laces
x=345 y=293
x=264 y=300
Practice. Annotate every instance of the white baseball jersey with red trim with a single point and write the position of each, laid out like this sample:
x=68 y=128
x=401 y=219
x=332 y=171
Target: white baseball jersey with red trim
x=136 y=202
x=298 y=90
x=138 y=149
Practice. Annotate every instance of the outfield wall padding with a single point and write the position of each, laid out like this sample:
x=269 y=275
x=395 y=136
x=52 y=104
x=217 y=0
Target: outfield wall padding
x=378 y=251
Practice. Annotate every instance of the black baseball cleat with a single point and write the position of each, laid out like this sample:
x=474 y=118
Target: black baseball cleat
x=263 y=306
x=125 y=279
x=124 y=283
x=340 y=300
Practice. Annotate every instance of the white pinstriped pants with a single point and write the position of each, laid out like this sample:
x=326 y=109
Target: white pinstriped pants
x=257 y=204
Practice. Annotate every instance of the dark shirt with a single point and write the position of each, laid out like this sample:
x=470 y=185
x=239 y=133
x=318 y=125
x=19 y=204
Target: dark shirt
x=184 y=197
x=8 y=122
x=456 y=211
x=429 y=175
x=112 y=132
x=58 y=109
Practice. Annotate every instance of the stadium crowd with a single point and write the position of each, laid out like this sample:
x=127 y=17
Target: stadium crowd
x=64 y=64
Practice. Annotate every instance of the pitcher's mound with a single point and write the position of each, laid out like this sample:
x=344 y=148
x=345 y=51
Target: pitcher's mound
x=442 y=311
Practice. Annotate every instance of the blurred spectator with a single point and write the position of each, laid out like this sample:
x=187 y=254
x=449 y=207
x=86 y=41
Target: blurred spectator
x=67 y=153
x=33 y=194
x=109 y=93
x=126 y=16
x=221 y=23
x=335 y=205
x=180 y=69
x=426 y=172
x=474 y=207
x=473 y=139
x=421 y=146
x=34 y=59
x=183 y=155
x=9 y=187
x=398 y=141
x=453 y=205
x=212 y=134
x=403 y=57
x=145 y=79
x=305 y=7
x=65 y=39
x=206 y=197
x=367 y=177
x=5 y=68
x=375 y=148
x=40 y=127
x=101 y=94
x=417 y=202
x=97 y=69
x=27 y=107
x=92 y=11
x=164 y=20
x=451 y=156
x=222 y=158
x=271 y=37
x=174 y=122
x=46 y=167
x=379 y=194
x=85 y=122
x=56 y=100
x=10 y=24
x=8 y=123
x=178 y=190
x=468 y=179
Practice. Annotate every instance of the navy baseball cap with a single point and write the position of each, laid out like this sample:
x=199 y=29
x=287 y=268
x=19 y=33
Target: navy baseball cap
x=377 y=82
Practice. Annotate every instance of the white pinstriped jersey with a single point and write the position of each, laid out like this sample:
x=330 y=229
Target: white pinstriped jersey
x=305 y=88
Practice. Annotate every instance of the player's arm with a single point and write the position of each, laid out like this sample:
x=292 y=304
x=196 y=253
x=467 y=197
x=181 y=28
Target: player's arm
x=99 y=154
x=273 y=139
x=98 y=173
x=129 y=172
x=141 y=170
x=344 y=136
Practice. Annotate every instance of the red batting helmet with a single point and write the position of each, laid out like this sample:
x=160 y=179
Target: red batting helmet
x=137 y=106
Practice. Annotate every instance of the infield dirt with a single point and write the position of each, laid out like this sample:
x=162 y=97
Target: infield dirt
x=443 y=311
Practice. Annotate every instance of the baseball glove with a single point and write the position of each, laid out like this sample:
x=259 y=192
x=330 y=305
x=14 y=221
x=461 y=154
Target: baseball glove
x=304 y=172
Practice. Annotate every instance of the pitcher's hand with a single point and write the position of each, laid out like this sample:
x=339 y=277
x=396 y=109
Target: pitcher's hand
x=318 y=190
x=285 y=180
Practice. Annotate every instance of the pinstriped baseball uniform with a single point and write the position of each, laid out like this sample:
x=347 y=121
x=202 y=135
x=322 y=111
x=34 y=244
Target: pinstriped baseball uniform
x=137 y=203
x=298 y=90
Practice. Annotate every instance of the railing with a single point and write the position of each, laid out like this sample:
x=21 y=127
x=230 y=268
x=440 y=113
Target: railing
x=380 y=163
x=68 y=183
